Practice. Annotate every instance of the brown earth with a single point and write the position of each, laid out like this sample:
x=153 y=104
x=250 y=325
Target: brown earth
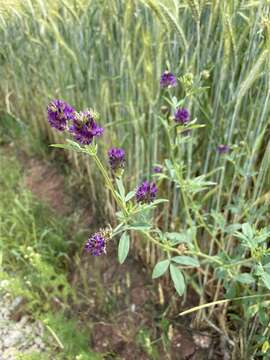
x=47 y=185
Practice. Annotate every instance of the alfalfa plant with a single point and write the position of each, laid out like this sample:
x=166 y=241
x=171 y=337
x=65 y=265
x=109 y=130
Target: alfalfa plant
x=136 y=207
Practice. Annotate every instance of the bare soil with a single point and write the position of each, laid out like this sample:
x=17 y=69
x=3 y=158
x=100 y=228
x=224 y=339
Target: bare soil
x=47 y=185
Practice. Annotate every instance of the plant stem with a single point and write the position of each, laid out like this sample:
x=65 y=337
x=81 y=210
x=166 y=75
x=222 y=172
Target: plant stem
x=196 y=308
x=109 y=183
x=171 y=249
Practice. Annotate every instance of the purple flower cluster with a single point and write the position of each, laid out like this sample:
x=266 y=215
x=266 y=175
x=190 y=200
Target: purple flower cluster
x=157 y=169
x=146 y=192
x=96 y=244
x=84 y=128
x=116 y=158
x=82 y=125
x=59 y=113
x=168 y=80
x=223 y=149
x=181 y=116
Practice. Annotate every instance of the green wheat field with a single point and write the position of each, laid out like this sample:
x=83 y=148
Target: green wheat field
x=139 y=300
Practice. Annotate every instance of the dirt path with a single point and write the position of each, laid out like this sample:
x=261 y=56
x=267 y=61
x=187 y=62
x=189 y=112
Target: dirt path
x=47 y=185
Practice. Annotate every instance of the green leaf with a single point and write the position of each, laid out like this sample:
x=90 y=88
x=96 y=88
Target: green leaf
x=153 y=204
x=169 y=164
x=63 y=146
x=118 y=227
x=130 y=195
x=123 y=247
x=266 y=279
x=73 y=143
x=245 y=278
x=160 y=268
x=121 y=188
x=186 y=260
x=197 y=126
x=247 y=230
x=159 y=201
x=265 y=347
x=232 y=228
x=177 y=238
x=139 y=226
x=247 y=236
x=178 y=279
x=160 y=234
x=263 y=235
x=258 y=270
x=120 y=216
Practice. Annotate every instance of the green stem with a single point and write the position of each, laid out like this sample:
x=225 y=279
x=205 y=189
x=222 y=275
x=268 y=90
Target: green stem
x=185 y=201
x=242 y=262
x=218 y=302
x=171 y=249
x=181 y=183
x=109 y=183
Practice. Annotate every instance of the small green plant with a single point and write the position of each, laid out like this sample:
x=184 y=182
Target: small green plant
x=72 y=340
x=32 y=356
x=144 y=340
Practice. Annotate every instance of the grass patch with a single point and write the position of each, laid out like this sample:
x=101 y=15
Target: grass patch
x=34 y=249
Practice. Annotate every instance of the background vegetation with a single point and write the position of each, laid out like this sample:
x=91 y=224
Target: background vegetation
x=109 y=55
x=35 y=246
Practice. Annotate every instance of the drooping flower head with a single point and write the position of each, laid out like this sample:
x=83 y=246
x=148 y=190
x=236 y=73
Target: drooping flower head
x=157 y=169
x=116 y=158
x=146 y=192
x=168 y=80
x=59 y=113
x=223 y=149
x=96 y=245
x=181 y=116
x=85 y=128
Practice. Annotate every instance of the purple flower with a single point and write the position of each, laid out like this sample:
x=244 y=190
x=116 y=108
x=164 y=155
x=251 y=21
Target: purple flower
x=223 y=149
x=157 y=169
x=84 y=127
x=116 y=158
x=181 y=116
x=59 y=113
x=168 y=80
x=146 y=192
x=96 y=244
